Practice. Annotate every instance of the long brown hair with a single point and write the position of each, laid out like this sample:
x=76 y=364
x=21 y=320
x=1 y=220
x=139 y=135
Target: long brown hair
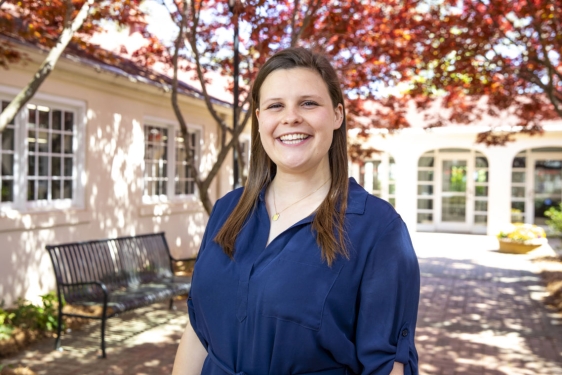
x=330 y=215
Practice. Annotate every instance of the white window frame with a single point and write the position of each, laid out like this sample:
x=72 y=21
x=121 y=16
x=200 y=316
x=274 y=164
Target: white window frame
x=172 y=127
x=20 y=202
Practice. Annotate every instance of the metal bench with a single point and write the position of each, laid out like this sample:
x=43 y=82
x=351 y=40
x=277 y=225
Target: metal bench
x=117 y=275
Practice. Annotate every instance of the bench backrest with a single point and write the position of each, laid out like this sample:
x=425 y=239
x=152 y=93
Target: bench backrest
x=119 y=262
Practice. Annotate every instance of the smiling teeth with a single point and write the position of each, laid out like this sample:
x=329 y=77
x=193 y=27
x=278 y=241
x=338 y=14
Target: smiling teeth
x=293 y=137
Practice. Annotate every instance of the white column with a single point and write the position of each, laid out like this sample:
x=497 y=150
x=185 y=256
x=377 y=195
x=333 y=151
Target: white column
x=499 y=193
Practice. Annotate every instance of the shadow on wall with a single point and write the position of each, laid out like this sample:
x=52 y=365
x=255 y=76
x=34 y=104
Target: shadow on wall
x=480 y=319
x=113 y=190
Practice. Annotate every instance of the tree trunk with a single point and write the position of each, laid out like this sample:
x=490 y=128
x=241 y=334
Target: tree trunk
x=45 y=69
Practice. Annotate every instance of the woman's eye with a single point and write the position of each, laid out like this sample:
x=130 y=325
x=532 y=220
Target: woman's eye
x=309 y=103
x=273 y=106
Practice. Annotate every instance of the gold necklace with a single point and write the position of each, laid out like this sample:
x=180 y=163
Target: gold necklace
x=275 y=216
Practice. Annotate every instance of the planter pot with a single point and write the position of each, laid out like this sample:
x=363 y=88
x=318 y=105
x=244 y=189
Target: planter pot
x=516 y=247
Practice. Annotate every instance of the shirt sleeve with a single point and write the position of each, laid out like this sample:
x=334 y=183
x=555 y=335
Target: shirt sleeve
x=388 y=304
x=190 y=307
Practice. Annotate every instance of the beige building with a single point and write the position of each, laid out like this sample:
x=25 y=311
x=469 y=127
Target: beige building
x=96 y=154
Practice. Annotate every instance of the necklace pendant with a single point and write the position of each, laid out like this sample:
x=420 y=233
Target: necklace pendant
x=275 y=217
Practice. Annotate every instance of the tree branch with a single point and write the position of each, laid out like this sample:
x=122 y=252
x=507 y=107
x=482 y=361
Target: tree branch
x=306 y=21
x=203 y=192
x=45 y=69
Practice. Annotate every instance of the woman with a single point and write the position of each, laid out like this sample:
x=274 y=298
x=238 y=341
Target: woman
x=302 y=271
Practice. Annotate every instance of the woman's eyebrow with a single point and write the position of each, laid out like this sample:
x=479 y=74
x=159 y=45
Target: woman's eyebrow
x=306 y=96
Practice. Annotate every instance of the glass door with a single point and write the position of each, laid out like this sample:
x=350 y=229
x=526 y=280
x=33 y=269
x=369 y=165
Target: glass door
x=455 y=209
x=547 y=190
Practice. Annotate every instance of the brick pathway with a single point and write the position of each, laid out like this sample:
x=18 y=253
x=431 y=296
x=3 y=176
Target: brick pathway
x=480 y=313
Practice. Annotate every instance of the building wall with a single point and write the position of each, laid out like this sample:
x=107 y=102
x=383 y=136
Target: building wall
x=114 y=110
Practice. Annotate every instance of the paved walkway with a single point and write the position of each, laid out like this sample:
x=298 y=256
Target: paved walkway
x=480 y=313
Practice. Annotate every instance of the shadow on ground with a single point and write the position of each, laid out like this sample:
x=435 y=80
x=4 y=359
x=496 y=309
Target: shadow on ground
x=477 y=319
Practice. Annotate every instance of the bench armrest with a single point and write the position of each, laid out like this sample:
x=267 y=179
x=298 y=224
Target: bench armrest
x=98 y=283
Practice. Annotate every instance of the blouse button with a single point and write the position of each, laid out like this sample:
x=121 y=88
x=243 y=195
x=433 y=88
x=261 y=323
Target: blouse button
x=405 y=333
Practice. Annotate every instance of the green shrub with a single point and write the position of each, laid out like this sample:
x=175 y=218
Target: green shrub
x=555 y=215
x=29 y=316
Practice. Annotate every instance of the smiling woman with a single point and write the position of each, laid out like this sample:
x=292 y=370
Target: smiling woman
x=301 y=271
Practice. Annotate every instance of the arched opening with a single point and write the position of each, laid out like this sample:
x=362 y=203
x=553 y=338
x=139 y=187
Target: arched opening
x=536 y=184
x=452 y=191
x=377 y=176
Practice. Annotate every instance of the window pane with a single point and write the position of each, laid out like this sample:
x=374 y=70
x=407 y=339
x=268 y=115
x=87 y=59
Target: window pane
x=7 y=194
x=30 y=190
x=426 y=204
x=8 y=139
x=55 y=194
x=43 y=118
x=481 y=175
x=31 y=165
x=517 y=176
x=68 y=144
x=481 y=206
x=481 y=162
x=518 y=192
x=180 y=187
x=42 y=141
x=425 y=218
x=481 y=191
x=480 y=219
x=31 y=140
x=55 y=166
x=517 y=212
x=425 y=175
x=7 y=164
x=68 y=167
x=56 y=144
x=42 y=190
x=391 y=188
x=518 y=162
x=425 y=189
x=67 y=193
x=43 y=165
x=31 y=113
x=392 y=201
x=57 y=120
x=426 y=161
x=68 y=121
x=453 y=209
x=454 y=175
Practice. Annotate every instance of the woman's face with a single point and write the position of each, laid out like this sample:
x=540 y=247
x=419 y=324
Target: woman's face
x=297 y=119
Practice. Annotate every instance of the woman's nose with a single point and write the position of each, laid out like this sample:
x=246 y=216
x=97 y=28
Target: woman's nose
x=292 y=116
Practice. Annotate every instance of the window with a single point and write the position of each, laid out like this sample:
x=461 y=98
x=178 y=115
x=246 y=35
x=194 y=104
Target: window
x=165 y=156
x=377 y=176
x=38 y=156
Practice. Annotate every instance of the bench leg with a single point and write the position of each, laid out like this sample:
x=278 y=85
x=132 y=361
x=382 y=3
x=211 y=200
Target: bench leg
x=103 y=319
x=59 y=328
x=171 y=307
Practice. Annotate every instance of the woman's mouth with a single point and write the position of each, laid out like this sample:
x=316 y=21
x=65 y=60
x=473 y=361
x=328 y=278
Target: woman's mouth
x=293 y=139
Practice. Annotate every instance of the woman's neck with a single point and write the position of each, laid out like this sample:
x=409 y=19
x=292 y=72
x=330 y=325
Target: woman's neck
x=295 y=185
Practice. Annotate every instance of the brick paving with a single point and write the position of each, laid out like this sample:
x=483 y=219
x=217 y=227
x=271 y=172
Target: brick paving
x=480 y=313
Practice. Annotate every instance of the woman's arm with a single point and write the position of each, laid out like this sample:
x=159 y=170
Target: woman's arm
x=190 y=355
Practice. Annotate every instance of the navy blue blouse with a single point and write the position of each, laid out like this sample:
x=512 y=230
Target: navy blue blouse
x=279 y=309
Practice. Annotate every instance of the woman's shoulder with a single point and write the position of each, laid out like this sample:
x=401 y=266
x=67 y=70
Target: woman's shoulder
x=368 y=206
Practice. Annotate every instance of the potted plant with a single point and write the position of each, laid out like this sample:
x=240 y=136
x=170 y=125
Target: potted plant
x=521 y=238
